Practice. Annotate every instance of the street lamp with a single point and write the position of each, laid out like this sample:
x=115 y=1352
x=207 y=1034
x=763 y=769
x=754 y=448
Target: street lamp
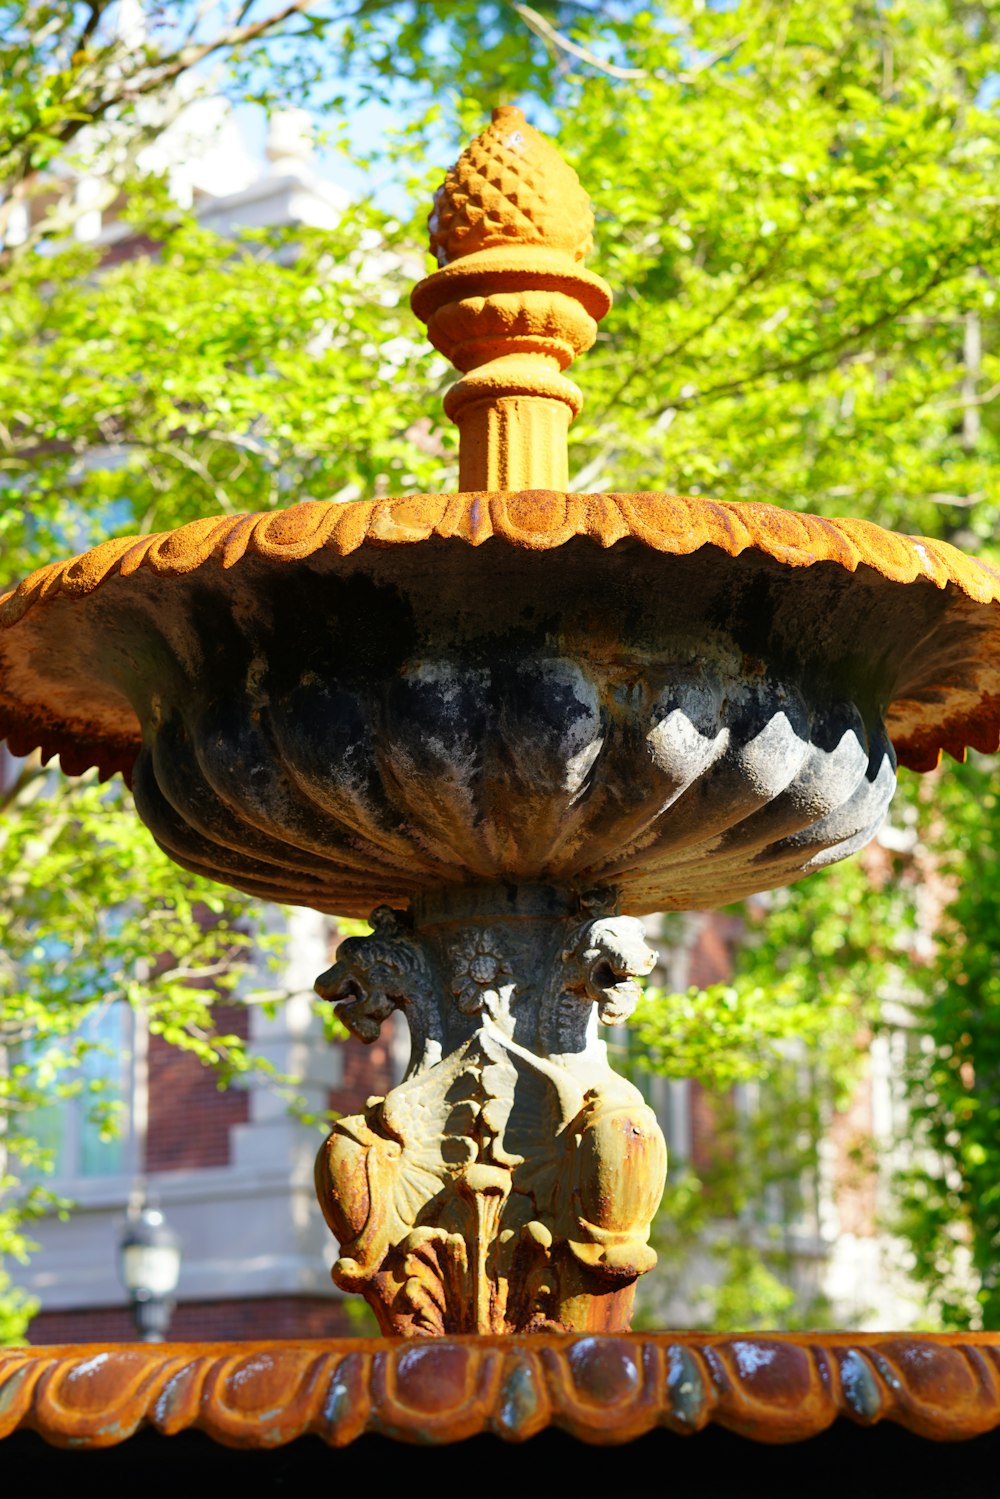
x=150 y=1267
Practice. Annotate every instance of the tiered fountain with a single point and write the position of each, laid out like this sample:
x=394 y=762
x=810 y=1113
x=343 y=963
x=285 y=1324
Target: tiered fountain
x=505 y=724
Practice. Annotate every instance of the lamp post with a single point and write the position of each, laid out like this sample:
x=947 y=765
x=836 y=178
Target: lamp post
x=150 y=1267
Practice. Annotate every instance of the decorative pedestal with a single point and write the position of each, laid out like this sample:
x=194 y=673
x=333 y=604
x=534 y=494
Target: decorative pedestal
x=509 y=1182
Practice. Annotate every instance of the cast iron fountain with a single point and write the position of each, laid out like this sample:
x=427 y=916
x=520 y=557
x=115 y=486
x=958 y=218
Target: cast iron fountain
x=507 y=722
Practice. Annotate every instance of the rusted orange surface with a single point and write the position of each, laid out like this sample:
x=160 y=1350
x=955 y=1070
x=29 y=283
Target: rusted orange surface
x=539 y=520
x=510 y=186
x=960 y=708
x=511 y=306
x=604 y=1390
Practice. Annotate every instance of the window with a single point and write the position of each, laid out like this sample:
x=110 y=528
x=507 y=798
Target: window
x=72 y=1127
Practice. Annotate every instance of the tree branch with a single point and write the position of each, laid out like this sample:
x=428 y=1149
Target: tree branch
x=562 y=43
x=96 y=10
x=806 y=363
x=234 y=36
x=131 y=87
x=748 y=281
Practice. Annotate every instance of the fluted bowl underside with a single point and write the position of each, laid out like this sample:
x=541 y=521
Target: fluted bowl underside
x=693 y=781
x=350 y=731
x=345 y=705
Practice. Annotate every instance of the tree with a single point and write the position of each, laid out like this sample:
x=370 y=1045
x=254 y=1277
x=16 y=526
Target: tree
x=184 y=380
x=797 y=210
x=948 y=1193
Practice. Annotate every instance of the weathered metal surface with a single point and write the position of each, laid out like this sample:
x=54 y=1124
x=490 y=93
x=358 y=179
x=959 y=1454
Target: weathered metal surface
x=508 y=1184
x=602 y=1390
x=510 y=187
x=345 y=732
x=56 y=692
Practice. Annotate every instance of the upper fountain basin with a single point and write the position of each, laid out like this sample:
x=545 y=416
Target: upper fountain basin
x=687 y=701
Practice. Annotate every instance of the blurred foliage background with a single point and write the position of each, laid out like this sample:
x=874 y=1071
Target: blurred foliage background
x=797 y=205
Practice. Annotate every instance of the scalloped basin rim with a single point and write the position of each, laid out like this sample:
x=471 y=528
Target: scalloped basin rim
x=536 y=519
x=45 y=705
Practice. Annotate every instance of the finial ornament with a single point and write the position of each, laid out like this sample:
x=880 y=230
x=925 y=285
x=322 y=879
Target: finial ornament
x=511 y=305
x=510 y=187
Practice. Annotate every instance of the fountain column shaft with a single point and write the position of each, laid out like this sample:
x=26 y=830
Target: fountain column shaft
x=515 y=443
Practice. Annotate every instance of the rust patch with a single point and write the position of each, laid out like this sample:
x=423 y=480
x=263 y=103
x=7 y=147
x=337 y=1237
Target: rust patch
x=539 y=519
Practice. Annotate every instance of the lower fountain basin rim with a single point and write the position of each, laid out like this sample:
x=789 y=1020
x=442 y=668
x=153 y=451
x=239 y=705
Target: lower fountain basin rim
x=601 y=1389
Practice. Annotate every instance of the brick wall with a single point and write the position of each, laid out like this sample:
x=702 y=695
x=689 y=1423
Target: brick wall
x=710 y=957
x=211 y=1321
x=710 y=961
x=189 y=1119
x=368 y=1070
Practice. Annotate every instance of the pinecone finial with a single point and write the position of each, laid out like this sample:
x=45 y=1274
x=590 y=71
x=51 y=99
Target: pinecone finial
x=511 y=304
x=510 y=187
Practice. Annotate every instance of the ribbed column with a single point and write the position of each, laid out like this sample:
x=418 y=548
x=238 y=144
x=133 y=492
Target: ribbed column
x=517 y=442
